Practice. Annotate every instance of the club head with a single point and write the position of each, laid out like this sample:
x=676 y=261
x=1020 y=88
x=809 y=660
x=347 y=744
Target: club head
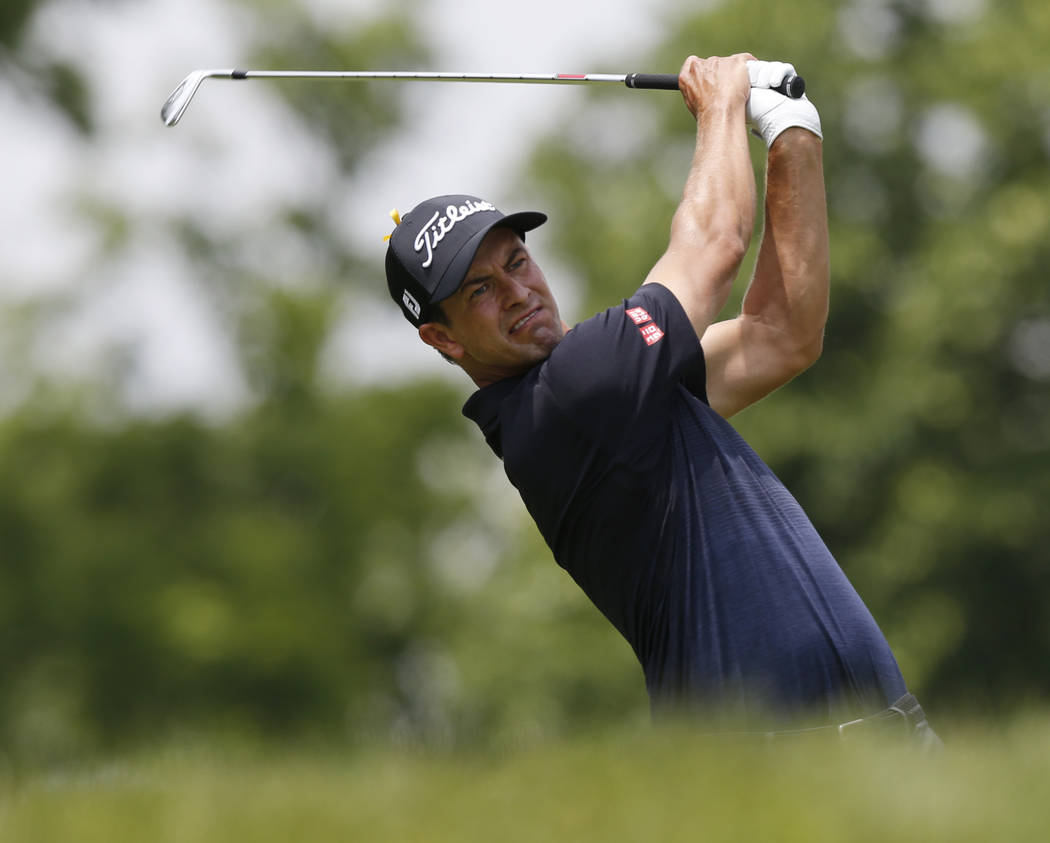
x=179 y=100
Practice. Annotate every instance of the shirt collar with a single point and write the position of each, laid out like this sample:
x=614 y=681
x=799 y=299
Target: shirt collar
x=483 y=409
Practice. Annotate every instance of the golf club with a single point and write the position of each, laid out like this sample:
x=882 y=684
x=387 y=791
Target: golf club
x=177 y=103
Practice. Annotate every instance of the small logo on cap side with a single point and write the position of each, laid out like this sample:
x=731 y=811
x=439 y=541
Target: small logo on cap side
x=411 y=304
x=435 y=229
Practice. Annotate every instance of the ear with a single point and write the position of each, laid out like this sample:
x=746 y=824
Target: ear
x=437 y=336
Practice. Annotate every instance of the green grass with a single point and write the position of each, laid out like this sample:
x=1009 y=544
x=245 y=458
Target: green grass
x=654 y=786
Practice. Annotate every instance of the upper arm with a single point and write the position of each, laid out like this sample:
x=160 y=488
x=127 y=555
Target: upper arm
x=700 y=276
x=747 y=358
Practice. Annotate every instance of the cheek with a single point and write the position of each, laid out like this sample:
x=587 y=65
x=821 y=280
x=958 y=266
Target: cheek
x=539 y=284
x=481 y=325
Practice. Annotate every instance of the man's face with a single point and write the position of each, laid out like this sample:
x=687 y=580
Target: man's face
x=503 y=319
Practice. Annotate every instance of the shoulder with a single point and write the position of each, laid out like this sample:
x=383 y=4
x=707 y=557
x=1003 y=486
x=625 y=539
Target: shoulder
x=640 y=322
x=645 y=345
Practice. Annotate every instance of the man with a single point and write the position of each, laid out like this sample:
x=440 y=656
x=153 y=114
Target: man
x=615 y=432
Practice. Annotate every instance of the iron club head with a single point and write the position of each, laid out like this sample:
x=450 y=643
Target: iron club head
x=179 y=100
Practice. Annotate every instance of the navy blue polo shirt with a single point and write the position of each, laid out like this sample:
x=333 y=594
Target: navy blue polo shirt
x=676 y=529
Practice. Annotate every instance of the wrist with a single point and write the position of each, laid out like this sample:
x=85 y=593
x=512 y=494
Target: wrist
x=725 y=116
x=796 y=140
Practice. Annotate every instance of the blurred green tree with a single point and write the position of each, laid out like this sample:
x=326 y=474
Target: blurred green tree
x=325 y=562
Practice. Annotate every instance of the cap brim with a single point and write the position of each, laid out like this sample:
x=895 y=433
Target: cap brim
x=457 y=270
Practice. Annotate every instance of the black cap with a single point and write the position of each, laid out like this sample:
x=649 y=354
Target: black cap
x=434 y=245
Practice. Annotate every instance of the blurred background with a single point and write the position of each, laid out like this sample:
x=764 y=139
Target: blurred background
x=237 y=494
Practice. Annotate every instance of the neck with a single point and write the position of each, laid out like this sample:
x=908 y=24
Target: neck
x=485 y=376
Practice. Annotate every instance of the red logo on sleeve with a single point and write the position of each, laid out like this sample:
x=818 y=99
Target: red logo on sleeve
x=651 y=334
x=650 y=331
x=638 y=315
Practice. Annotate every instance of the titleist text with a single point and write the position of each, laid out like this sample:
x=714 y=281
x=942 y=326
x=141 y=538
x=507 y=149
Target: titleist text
x=435 y=229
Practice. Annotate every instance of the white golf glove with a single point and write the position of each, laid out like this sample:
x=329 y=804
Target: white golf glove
x=769 y=112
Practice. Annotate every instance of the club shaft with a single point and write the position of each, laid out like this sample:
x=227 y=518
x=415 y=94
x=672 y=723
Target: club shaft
x=179 y=100
x=426 y=76
x=792 y=86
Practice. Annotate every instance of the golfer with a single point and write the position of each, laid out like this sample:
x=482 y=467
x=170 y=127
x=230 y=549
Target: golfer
x=615 y=434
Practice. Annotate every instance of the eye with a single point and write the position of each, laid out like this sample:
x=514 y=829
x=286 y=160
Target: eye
x=478 y=290
x=517 y=264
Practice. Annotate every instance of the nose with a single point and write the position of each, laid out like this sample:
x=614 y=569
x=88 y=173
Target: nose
x=512 y=292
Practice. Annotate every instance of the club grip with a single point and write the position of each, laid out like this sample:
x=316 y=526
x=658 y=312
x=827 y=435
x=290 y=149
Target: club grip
x=792 y=86
x=652 y=81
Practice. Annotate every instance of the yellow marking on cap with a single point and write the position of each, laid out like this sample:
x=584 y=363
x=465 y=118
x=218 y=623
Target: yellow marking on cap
x=396 y=217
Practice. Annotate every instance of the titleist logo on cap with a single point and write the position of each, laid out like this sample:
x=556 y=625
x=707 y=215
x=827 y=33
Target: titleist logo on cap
x=435 y=229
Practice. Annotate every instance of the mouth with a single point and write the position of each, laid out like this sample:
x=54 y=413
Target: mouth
x=521 y=323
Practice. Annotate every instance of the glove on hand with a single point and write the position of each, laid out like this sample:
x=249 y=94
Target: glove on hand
x=769 y=112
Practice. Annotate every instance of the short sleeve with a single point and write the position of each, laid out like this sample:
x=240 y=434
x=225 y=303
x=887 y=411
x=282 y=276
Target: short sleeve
x=619 y=372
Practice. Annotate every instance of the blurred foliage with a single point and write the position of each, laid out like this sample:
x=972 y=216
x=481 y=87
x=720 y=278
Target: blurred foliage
x=55 y=81
x=13 y=17
x=314 y=567
x=331 y=563
x=387 y=42
x=351 y=563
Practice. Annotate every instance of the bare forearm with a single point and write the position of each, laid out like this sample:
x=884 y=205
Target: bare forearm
x=712 y=226
x=789 y=290
x=719 y=195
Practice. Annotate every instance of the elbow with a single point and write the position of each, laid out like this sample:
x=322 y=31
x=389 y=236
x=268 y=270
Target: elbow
x=810 y=352
x=726 y=249
x=804 y=352
x=804 y=327
x=795 y=350
x=720 y=238
x=733 y=244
